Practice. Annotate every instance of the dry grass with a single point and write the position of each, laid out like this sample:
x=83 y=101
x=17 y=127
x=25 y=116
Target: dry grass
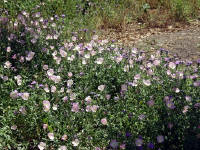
x=160 y=14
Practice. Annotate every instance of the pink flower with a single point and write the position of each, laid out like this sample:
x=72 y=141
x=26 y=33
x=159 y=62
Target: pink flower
x=185 y=109
x=64 y=137
x=122 y=146
x=137 y=77
x=45 y=126
x=94 y=108
x=138 y=142
x=63 y=53
x=70 y=74
x=51 y=136
x=88 y=108
x=160 y=139
x=53 y=89
x=172 y=65
x=95 y=37
x=14 y=94
x=104 y=121
x=170 y=125
x=14 y=127
x=114 y=144
x=75 y=107
x=156 y=62
x=150 y=103
x=65 y=98
x=30 y=56
x=73 y=38
x=50 y=72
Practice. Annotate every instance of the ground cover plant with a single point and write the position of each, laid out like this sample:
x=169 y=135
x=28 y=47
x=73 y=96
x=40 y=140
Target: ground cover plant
x=65 y=93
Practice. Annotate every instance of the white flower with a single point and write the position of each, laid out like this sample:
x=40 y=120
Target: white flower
x=87 y=56
x=101 y=87
x=73 y=38
x=14 y=127
x=8 y=49
x=46 y=88
x=99 y=61
x=46 y=105
x=62 y=148
x=45 y=126
x=84 y=62
x=42 y=146
x=147 y=82
x=25 y=96
x=177 y=90
x=7 y=65
x=62 y=90
x=51 y=136
x=149 y=65
x=57 y=79
x=55 y=107
x=70 y=83
x=72 y=96
x=75 y=142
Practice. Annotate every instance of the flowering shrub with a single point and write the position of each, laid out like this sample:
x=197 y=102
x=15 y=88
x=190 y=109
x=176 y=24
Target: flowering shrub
x=59 y=93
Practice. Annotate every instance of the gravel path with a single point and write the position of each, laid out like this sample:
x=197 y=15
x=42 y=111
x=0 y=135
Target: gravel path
x=183 y=41
x=184 y=44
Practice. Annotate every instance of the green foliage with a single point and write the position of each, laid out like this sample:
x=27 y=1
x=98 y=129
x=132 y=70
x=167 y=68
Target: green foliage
x=94 y=92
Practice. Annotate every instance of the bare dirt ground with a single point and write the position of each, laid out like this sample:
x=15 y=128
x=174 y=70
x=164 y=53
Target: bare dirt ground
x=180 y=40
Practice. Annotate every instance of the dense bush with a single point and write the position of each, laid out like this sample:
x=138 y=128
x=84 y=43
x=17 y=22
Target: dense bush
x=58 y=93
